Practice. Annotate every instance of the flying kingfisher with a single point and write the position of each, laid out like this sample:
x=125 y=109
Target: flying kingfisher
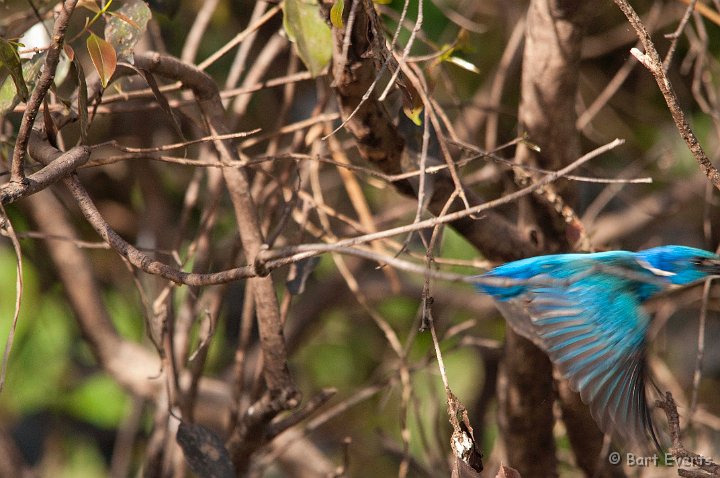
x=585 y=311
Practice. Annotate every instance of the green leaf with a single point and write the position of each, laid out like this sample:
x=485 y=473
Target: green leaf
x=336 y=14
x=41 y=358
x=10 y=60
x=103 y=57
x=31 y=70
x=311 y=35
x=412 y=102
x=125 y=27
x=98 y=400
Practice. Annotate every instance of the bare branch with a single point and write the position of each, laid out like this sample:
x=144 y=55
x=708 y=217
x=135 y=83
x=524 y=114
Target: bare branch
x=651 y=60
x=38 y=94
x=60 y=167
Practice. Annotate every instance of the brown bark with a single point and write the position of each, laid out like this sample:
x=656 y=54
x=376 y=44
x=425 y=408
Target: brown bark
x=525 y=396
x=550 y=73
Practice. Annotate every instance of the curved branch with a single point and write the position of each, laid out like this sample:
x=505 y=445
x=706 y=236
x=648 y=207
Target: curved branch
x=59 y=167
x=45 y=153
x=129 y=364
x=206 y=91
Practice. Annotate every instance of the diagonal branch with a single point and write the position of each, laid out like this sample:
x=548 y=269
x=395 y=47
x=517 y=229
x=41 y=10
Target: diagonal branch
x=60 y=167
x=651 y=60
x=43 y=85
x=46 y=154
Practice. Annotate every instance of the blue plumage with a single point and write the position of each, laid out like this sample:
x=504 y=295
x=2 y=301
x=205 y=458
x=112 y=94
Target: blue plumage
x=585 y=311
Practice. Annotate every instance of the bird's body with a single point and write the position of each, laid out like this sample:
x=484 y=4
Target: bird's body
x=585 y=311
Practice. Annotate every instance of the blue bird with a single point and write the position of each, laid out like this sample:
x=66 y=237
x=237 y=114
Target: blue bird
x=585 y=311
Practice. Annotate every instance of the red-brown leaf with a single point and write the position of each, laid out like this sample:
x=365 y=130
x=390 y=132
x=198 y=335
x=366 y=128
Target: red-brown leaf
x=103 y=57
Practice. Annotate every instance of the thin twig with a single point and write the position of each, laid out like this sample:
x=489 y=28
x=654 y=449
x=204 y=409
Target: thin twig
x=240 y=61
x=197 y=31
x=389 y=178
x=240 y=37
x=706 y=11
x=46 y=154
x=123 y=97
x=512 y=47
x=168 y=147
x=302 y=251
x=422 y=182
x=675 y=36
x=406 y=51
x=681 y=455
x=418 y=81
x=651 y=60
x=360 y=204
x=261 y=64
x=616 y=82
x=699 y=358
x=7 y=230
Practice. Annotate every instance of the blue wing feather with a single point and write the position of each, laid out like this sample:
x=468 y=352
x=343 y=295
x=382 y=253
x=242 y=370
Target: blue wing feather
x=593 y=330
x=601 y=353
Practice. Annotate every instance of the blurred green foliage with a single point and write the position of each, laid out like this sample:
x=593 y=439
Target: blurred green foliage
x=44 y=371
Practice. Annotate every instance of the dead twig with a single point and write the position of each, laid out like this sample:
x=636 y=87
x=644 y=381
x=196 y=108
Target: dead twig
x=680 y=455
x=651 y=60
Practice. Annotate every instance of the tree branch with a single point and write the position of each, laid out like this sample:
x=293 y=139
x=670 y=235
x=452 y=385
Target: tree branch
x=550 y=74
x=46 y=154
x=380 y=142
x=282 y=393
x=17 y=174
x=651 y=60
x=60 y=167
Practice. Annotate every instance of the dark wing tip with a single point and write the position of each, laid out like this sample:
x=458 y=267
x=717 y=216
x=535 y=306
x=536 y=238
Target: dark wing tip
x=619 y=404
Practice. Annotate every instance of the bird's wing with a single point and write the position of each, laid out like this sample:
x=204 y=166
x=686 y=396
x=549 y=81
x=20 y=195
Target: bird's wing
x=593 y=330
x=517 y=316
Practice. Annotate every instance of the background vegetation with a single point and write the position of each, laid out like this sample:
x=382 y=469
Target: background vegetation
x=112 y=352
